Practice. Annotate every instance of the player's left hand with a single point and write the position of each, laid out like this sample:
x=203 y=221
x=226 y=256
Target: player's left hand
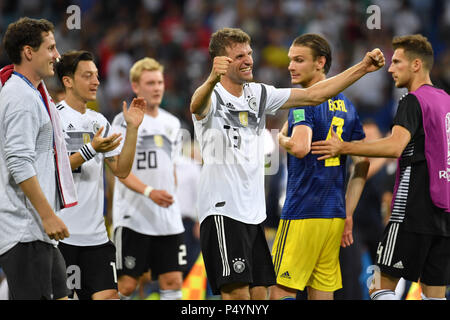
x=135 y=114
x=347 y=236
x=374 y=60
x=329 y=148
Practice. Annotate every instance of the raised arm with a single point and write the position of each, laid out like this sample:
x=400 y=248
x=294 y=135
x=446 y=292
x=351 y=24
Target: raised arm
x=121 y=165
x=201 y=99
x=330 y=87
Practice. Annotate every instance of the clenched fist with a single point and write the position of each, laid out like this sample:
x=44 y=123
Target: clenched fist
x=374 y=60
x=220 y=67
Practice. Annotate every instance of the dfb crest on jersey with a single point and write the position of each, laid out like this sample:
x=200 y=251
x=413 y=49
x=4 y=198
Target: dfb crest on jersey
x=252 y=104
x=238 y=265
x=95 y=126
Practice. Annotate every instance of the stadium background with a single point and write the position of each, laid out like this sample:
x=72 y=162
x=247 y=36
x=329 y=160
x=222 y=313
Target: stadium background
x=177 y=32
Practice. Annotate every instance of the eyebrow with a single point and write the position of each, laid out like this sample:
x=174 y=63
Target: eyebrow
x=243 y=54
x=90 y=72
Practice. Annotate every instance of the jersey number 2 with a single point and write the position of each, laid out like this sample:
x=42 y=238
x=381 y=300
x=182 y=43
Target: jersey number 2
x=339 y=124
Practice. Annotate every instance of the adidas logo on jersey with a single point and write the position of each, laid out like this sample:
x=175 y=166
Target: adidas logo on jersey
x=70 y=127
x=229 y=105
x=286 y=275
x=398 y=265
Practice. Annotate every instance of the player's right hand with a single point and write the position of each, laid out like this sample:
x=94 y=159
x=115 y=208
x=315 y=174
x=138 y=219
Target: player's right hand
x=161 y=197
x=55 y=228
x=220 y=67
x=107 y=144
x=374 y=60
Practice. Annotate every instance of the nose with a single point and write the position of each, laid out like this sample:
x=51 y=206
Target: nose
x=391 y=68
x=290 y=66
x=56 y=54
x=94 y=79
x=249 y=60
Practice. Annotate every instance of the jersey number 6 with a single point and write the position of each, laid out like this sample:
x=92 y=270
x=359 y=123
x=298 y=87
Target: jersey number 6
x=339 y=124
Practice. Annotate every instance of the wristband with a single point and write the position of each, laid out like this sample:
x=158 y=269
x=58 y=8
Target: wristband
x=147 y=191
x=87 y=152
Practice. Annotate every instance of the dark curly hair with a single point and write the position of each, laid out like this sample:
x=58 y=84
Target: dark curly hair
x=25 y=32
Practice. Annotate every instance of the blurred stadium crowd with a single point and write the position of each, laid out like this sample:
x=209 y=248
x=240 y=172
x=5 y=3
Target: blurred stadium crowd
x=176 y=32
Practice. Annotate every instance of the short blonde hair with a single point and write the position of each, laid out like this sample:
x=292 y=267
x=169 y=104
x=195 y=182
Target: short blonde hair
x=148 y=64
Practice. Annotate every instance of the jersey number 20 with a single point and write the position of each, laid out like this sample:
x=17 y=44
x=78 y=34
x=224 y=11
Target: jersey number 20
x=146 y=160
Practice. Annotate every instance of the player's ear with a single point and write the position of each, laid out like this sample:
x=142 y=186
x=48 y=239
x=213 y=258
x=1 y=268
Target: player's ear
x=416 y=65
x=135 y=86
x=67 y=81
x=27 y=52
x=320 y=62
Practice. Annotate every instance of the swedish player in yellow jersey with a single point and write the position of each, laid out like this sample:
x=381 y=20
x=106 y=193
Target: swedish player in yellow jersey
x=317 y=215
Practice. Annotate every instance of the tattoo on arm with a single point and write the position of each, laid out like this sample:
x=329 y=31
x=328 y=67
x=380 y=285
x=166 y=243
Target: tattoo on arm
x=111 y=159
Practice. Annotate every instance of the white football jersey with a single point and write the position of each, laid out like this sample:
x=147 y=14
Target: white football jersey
x=85 y=221
x=232 y=145
x=156 y=149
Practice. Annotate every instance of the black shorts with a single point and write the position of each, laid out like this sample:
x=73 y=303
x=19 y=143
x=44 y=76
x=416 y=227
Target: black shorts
x=235 y=252
x=137 y=253
x=414 y=256
x=90 y=269
x=35 y=271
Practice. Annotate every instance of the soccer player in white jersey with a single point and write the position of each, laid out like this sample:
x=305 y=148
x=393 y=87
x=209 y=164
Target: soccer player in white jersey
x=89 y=254
x=148 y=228
x=229 y=115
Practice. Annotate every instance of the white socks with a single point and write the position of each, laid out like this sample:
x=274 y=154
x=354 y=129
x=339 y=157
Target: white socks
x=123 y=297
x=170 y=295
x=383 y=295
x=390 y=295
x=4 y=292
x=424 y=297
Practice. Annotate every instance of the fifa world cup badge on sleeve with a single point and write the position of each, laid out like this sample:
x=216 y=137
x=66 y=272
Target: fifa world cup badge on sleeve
x=299 y=115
